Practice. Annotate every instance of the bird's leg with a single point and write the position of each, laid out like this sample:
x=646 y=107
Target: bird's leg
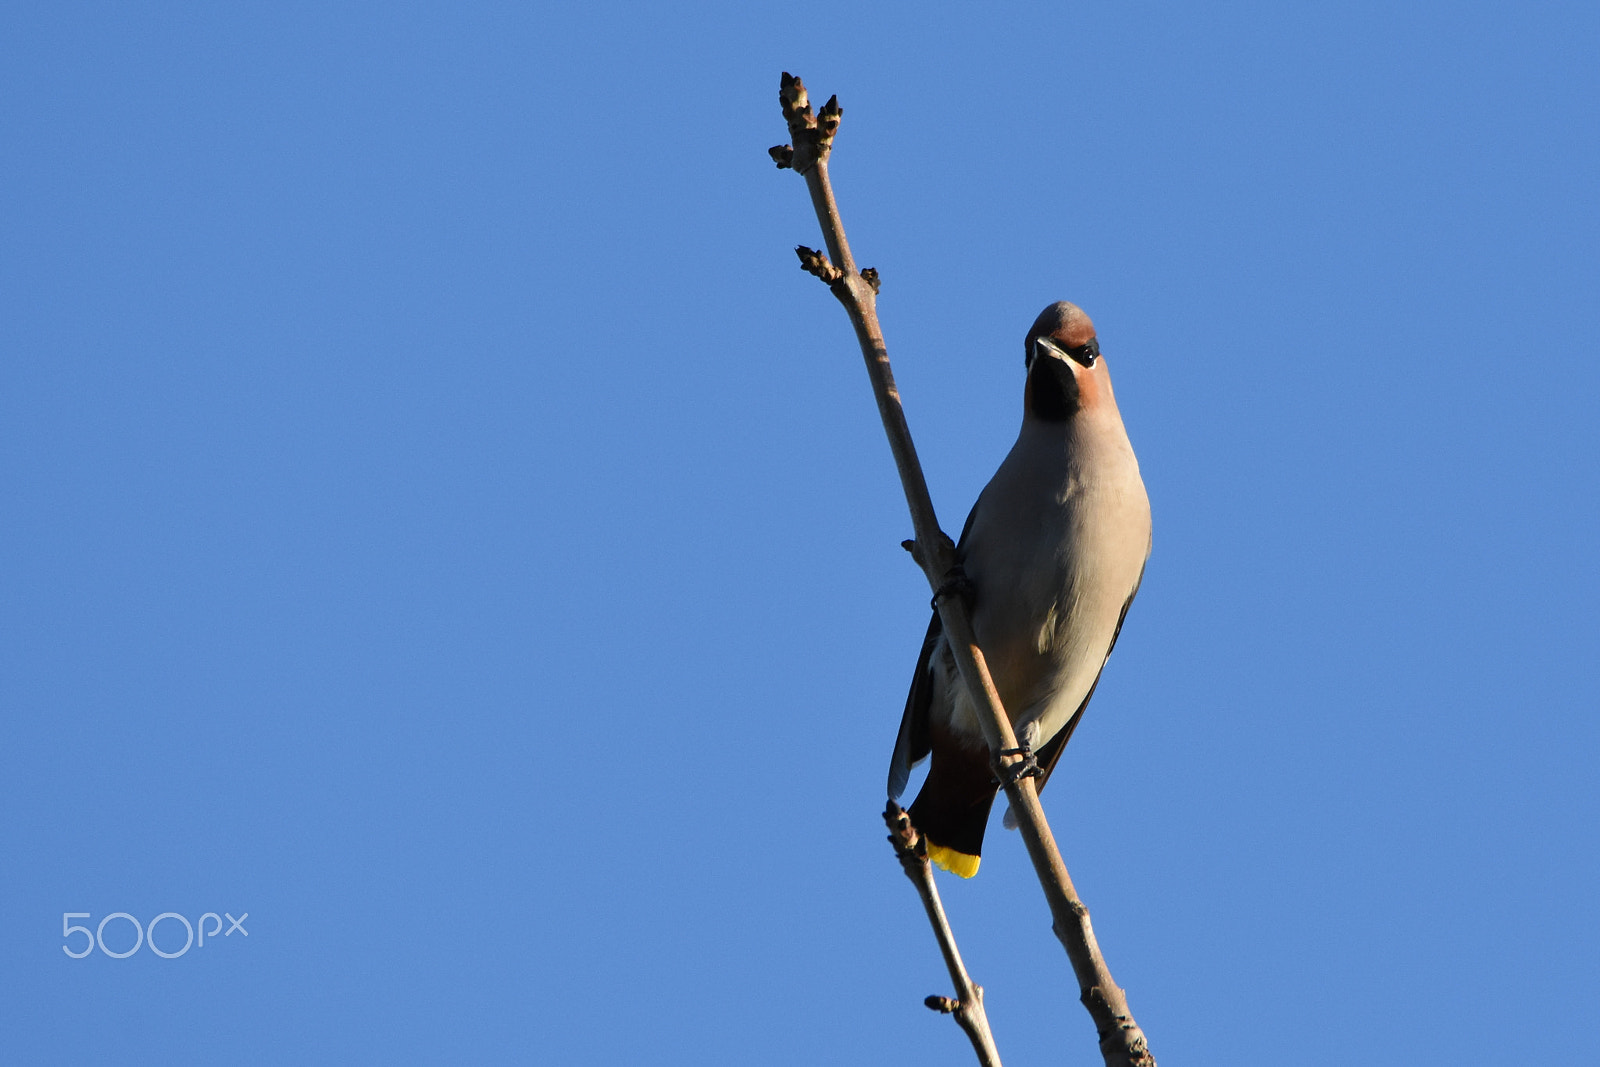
x=1028 y=765
x=1016 y=771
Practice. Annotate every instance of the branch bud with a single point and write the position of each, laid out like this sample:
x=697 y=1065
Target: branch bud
x=812 y=135
x=828 y=122
x=792 y=96
x=814 y=262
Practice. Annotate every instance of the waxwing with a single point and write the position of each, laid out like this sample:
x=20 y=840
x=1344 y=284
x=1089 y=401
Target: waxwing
x=1053 y=553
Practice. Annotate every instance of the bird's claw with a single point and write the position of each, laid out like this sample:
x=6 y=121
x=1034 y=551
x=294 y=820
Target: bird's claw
x=955 y=581
x=1026 y=767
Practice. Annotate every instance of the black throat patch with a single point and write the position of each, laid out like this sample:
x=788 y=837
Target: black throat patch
x=1052 y=393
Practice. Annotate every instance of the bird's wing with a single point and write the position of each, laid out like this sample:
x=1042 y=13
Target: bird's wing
x=1050 y=754
x=966 y=527
x=913 y=743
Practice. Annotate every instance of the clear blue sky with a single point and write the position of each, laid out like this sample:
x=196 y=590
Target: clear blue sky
x=441 y=521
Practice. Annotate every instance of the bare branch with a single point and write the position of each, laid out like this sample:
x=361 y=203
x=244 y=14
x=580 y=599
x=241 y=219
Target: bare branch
x=967 y=1005
x=1122 y=1043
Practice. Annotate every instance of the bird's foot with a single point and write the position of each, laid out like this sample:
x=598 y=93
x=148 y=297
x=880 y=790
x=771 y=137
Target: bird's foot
x=955 y=582
x=1026 y=767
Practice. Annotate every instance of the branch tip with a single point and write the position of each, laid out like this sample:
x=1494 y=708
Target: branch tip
x=903 y=834
x=812 y=134
x=909 y=844
x=792 y=96
x=828 y=119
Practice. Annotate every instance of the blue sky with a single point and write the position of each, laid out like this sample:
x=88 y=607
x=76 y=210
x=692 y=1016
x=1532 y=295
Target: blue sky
x=443 y=522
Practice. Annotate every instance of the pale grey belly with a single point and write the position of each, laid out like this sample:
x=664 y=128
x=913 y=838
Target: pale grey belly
x=1046 y=609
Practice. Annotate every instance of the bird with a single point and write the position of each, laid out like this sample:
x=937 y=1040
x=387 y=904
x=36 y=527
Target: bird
x=1052 y=555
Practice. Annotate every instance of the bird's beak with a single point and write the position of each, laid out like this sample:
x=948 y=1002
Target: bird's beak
x=1084 y=355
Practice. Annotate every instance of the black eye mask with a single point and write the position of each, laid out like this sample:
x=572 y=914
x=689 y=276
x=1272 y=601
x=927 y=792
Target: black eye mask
x=1084 y=355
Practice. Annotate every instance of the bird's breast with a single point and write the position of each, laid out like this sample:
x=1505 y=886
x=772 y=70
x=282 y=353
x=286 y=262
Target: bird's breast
x=1056 y=547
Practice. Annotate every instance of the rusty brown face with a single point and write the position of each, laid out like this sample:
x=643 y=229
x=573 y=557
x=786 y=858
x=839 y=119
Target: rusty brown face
x=1065 y=372
x=1064 y=324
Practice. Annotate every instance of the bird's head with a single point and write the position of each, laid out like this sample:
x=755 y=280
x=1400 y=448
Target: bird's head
x=1065 y=372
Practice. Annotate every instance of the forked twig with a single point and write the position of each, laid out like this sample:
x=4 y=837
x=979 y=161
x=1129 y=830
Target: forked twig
x=967 y=1007
x=1122 y=1043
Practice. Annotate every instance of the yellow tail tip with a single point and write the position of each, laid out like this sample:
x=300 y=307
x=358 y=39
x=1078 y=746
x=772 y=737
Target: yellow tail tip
x=957 y=863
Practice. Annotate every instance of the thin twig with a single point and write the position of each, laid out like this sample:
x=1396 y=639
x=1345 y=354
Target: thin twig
x=967 y=1007
x=1122 y=1043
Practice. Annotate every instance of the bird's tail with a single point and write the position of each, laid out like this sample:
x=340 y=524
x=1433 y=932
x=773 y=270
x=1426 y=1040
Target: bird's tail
x=952 y=810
